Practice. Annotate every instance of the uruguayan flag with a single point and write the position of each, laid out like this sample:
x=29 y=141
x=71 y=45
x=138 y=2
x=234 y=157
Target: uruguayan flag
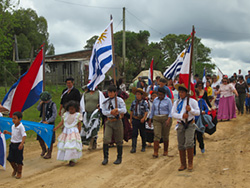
x=101 y=58
x=175 y=68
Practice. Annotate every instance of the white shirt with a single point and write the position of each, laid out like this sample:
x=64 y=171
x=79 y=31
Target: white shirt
x=226 y=90
x=17 y=133
x=195 y=110
x=106 y=106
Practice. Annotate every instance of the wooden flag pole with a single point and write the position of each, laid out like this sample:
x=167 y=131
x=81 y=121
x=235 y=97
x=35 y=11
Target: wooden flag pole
x=190 y=66
x=113 y=59
x=43 y=48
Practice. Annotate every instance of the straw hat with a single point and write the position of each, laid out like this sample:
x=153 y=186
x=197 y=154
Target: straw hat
x=140 y=90
x=177 y=86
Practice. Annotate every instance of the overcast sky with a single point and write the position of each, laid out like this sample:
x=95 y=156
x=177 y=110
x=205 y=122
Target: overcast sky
x=223 y=25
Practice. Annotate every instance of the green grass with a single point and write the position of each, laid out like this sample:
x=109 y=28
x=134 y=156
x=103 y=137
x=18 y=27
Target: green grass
x=32 y=114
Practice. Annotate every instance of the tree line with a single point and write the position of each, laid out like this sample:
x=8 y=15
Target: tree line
x=31 y=31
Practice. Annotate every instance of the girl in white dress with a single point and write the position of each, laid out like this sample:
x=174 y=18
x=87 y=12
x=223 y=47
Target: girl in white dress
x=69 y=142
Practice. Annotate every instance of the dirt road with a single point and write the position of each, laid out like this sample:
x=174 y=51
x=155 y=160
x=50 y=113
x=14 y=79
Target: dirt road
x=226 y=163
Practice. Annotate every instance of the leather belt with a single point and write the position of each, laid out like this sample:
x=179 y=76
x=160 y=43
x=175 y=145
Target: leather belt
x=138 y=117
x=112 y=119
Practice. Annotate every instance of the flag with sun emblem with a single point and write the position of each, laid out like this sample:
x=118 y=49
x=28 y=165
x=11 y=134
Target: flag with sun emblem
x=101 y=58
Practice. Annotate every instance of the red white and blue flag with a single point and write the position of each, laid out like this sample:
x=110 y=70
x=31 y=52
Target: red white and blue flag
x=184 y=72
x=151 y=73
x=26 y=91
x=2 y=150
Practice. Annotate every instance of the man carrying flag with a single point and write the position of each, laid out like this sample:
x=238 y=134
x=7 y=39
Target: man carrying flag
x=184 y=110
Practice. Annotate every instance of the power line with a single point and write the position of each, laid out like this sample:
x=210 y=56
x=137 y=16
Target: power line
x=66 y=2
x=118 y=25
x=144 y=23
x=226 y=32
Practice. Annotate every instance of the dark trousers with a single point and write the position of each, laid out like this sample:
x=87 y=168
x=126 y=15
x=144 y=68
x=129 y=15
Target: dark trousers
x=137 y=125
x=240 y=100
x=15 y=155
x=199 y=136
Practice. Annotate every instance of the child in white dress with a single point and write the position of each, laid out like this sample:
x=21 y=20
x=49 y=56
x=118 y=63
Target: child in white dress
x=69 y=142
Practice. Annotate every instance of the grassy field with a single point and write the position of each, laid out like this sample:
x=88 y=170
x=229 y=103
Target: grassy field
x=32 y=114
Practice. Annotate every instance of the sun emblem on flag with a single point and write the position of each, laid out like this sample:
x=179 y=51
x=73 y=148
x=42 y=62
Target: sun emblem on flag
x=182 y=54
x=102 y=37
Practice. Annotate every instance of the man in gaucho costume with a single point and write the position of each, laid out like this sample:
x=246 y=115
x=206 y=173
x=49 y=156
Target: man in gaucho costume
x=90 y=104
x=185 y=115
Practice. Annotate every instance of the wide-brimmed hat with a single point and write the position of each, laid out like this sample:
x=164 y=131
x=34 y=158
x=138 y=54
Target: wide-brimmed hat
x=45 y=96
x=140 y=90
x=177 y=86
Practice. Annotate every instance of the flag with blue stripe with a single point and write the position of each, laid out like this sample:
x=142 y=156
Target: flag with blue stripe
x=101 y=59
x=2 y=150
x=175 y=68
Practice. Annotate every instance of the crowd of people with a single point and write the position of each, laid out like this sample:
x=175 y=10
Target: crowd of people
x=151 y=114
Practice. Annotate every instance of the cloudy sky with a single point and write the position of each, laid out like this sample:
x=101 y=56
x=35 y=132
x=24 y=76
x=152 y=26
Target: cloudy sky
x=223 y=25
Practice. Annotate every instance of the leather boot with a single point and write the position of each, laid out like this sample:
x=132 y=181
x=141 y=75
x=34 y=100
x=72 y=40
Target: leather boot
x=91 y=143
x=19 y=171
x=143 y=145
x=119 y=155
x=165 y=148
x=105 y=154
x=42 y=144
x=48 y=155
x=190 y=153
x=14 y=166
x=94 y=143
x=134 y=143
x=183 y=160
x=156 y=148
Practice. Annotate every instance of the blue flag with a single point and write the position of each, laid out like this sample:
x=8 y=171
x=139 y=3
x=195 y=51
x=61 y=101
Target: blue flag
x=45 y=131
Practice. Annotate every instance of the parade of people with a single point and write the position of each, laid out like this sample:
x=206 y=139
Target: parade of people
x=125 y=111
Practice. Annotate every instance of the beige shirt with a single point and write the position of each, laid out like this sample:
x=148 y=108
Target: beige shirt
x=226 y=90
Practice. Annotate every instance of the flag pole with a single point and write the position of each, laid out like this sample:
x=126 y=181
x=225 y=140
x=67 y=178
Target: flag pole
x=113 y=59
x=43 y=48
x=190 y=65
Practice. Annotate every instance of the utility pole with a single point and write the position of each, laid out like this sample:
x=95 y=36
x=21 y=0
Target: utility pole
x=123 y=43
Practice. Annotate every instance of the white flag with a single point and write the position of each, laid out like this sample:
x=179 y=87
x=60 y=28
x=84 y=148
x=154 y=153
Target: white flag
x=101 y=59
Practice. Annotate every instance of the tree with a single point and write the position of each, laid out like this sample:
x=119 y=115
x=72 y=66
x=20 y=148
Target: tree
x=91 y=42
x=6 y=43
x=136 y=51
x=32 y=32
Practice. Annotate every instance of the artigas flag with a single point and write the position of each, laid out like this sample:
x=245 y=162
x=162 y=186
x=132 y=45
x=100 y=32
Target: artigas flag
x=101 y=59
x=184 y=72
x=26 y=91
